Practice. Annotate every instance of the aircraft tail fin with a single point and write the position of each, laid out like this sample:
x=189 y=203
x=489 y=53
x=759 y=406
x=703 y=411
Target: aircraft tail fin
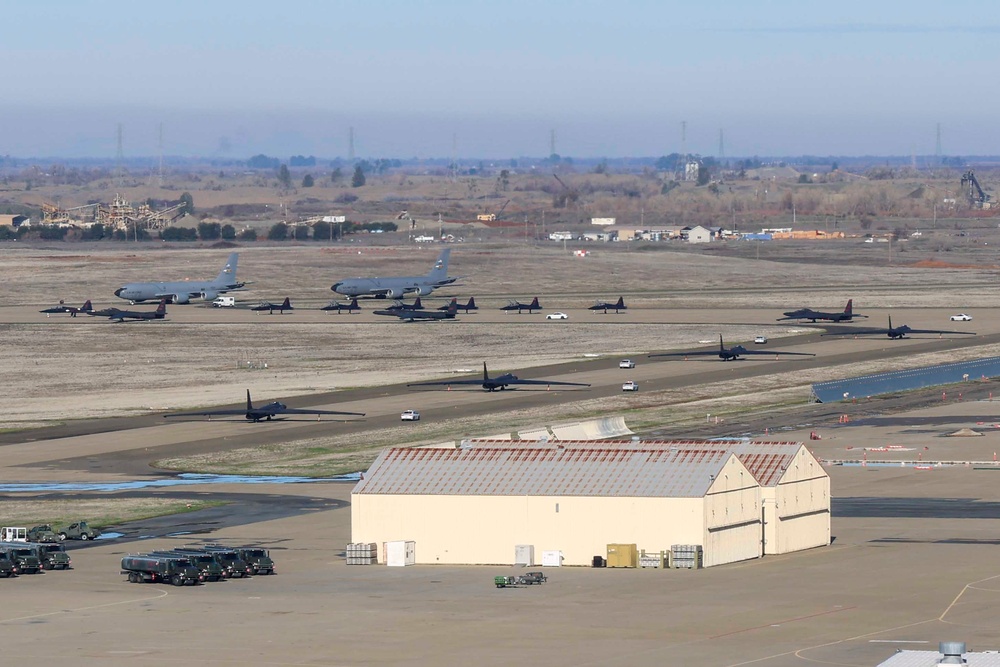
x=417 y=304
x=249 y=402
x=287 y=303
x=486 y=376
x=440 y=270
x=228 y=274
x=534 y=303
x=621 y=302
x=722 y=348
x=354 y=304
x=890 y=321
x=472 y=303
x=162 y=308
x=849 y=309
x=86 y=307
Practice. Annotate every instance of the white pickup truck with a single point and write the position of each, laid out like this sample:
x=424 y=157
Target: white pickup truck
x=630 y=386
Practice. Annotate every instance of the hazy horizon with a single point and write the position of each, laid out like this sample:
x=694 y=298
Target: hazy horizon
x=232 y=79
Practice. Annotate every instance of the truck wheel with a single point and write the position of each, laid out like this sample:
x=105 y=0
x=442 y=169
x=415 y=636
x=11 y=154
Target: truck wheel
x=84 y=536
x=178 y=580
x=48 y=566
x=131 y=577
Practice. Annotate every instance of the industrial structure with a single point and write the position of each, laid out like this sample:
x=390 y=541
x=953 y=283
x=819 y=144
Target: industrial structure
x=120 y=214
x=473 y=504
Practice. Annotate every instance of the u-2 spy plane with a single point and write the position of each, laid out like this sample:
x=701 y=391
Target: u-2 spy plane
x=518 y=306
x=263 y=412
x=728 y=354
x=411 y=315
x=271 y=307
x=351 y=307
x=182 y=291
x=813 y=315
x=117 y=315
x=499 y=382
x=396 y=287
x=605 y=306
x=72 y=310
x=471 y=305
x=894 y=332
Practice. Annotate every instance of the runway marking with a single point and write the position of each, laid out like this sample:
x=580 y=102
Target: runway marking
x=162 y=594
x=798 y=652
x=778 y=623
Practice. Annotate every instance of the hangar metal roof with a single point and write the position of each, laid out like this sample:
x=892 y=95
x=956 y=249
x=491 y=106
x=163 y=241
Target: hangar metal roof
x=915 y=378
x=596 y=470
x=766 y=460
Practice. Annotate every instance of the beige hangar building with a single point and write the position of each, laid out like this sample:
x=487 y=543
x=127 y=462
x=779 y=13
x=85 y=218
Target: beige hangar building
x=476 y=503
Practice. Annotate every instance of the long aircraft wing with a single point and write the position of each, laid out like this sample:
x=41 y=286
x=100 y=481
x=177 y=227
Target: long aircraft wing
x=571 y=384
x=885 y=332
x=693 y=353
x=298 y=411
x=207 y=413
x=432 y=384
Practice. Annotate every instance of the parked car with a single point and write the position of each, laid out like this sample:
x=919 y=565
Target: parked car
x=961 y=317
x=557 y=316
x=626 y=363
x=410 y=416
x=630 y=386
x=760 y=340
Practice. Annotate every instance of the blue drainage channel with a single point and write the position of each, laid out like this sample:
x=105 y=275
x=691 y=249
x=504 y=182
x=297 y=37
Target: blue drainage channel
x=186 y=479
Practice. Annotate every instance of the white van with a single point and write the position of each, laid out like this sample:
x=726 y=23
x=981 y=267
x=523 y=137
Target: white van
x=225 y=302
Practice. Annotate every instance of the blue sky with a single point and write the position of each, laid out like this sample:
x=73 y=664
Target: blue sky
x=779 y=77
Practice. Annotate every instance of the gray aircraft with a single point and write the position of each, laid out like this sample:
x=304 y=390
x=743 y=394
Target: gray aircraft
x=263 y=412
x=896 y=332
x=116 y=315
x=396 y=287
x=500 y=382
x=729 y=353
x=412 y=315
x=182 y=291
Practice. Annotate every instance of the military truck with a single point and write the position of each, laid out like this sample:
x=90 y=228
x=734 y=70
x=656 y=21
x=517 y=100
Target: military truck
x=42 y=533
x=53 y=556
x=78 y=531
x=257 y=558
x=234 y=566
x=176 y=570
x=24 y=555
x=210 y=570
x=8 y=568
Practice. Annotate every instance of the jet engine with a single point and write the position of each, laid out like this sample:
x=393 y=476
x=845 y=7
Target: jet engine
x=425 y=290
x=179 y=298
x=395 y=293
x=209 y=296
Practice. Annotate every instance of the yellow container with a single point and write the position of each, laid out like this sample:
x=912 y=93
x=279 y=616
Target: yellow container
x=623 y=555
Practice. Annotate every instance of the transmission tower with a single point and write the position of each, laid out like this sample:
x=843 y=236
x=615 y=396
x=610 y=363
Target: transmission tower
x=552 y=142
x=160 y=175
x=120 y=158
x=350 y=144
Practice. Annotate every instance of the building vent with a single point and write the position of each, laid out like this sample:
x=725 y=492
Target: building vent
x=951 y=653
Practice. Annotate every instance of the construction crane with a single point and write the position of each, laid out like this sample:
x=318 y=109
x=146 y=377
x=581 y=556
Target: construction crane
x=975 y=193
x=568 y=196
x=492 y=217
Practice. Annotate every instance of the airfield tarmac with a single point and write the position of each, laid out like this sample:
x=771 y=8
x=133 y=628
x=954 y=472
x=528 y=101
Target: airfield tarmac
x=906 y=566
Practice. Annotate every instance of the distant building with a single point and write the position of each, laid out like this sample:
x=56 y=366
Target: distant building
x=602 y=221
x=698 y=234
x=15 y=221
x=561 y=236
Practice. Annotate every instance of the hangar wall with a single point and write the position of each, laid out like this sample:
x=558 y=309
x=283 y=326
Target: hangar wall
x=732 y=519
x=483 y=530
x=801 y=506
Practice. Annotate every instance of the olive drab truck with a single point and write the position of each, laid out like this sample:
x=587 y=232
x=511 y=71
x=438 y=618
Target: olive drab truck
x=146 y=568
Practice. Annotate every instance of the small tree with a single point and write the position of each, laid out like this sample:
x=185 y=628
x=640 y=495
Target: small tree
x=248 y=235
x=704 y=175
x=209 y=231
x=336 y=175
x=301 y=233
x=228 y=232
x=284 y=177
x=278 y=232
x=307 y=181
x=188 y=203
x=359 y=177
